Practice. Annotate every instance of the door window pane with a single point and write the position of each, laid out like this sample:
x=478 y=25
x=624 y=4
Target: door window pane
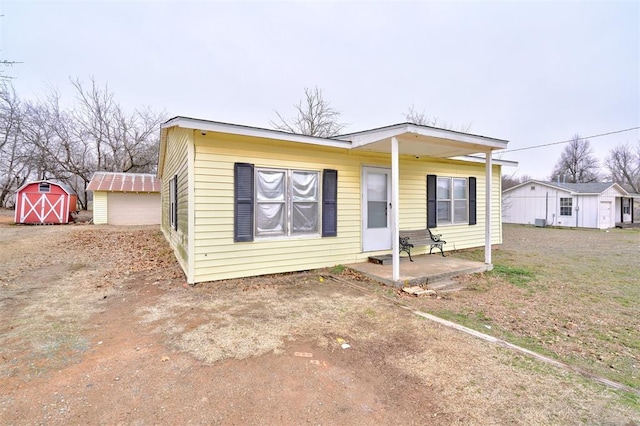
x=377 y=214
x=377 y=187
x=377 y=200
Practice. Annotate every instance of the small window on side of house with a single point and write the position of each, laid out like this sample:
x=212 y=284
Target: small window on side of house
x=173 y=203
x=566 y=206
x=533 y=187
x=44 y=187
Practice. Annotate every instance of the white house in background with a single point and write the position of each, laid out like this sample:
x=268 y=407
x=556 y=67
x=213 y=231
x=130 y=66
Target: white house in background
x=585 y=205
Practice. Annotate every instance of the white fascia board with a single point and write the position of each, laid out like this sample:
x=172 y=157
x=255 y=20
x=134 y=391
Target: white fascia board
x=376 y=135
x=236 y=129
x=474 y=159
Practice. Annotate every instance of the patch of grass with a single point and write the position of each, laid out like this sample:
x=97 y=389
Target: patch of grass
x=338 y=269
x=518 y=276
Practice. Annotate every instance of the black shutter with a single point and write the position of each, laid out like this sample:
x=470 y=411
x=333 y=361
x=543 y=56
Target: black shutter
x=174 y=182
x=432 y=201
x=329 y=203
x=472 y=201
x=243 y=202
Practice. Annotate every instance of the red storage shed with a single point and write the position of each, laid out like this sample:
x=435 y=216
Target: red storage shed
x=44 y=202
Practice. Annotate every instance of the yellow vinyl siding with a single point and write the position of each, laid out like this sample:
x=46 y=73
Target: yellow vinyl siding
x=413 y=200
x=100 y=207
x=176 y=163
x=216 y=256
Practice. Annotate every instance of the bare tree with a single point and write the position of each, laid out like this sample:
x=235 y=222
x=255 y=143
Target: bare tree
x=13 y=167
x=94 y=134
x=420 y=118
x=124 y=142
x=314 y=117
x=577 y=164
x=623 y=164
x=509 y=181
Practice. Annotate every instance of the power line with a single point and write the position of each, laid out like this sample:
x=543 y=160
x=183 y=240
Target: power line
x=569 y=140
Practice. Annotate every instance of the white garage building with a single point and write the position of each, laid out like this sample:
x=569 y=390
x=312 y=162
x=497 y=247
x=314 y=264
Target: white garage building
x=582 y=205
x=125 y=198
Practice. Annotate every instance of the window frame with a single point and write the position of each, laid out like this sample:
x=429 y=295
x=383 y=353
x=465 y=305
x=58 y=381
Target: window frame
x=452 y=201
x=566 y=206
x=44 y=187
x=173 y=203
x=289 y=204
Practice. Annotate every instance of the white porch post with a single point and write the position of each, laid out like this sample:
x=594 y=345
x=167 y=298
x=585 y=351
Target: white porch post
x=487 y=222
x=395 y=207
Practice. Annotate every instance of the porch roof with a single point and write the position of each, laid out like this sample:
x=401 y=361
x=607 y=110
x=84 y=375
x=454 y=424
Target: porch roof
x=417 y=140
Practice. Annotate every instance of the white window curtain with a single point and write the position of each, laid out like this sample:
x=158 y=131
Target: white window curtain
x=271 y=202
x=305 y=202
x=287 y=202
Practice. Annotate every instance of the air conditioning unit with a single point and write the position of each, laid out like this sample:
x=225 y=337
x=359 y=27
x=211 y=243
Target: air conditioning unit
x=541 y=223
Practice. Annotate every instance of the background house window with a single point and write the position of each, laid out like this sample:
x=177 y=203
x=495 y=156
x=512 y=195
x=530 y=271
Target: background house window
x=287 y=202
x=452 y=200
x=566 y=206
x=626 y=206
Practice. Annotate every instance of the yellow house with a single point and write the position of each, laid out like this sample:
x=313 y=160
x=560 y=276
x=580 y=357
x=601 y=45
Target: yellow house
x=241 y=201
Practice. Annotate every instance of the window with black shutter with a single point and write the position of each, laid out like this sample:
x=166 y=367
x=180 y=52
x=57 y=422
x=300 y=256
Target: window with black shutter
x=243 y=202
x=451 y=201
x=329 y=203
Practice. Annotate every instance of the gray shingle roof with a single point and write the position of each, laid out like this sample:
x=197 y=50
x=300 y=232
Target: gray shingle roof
x=583 y=188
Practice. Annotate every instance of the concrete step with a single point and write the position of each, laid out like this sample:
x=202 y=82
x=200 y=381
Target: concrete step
x=442 y=284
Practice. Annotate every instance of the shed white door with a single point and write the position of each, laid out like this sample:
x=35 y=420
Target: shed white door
x=133 y=208
x=376 y=194
x=605 y=214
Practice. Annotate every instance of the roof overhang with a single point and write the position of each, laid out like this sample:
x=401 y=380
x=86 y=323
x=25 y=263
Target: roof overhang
x=422 y=141
x=413 y=139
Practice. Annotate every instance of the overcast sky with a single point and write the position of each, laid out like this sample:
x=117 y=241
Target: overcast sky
x=531 y=73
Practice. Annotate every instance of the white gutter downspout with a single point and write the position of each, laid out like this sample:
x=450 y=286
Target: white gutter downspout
x=395 y=207
x=487 y=222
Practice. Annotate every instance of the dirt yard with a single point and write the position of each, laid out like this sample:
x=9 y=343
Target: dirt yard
x=96 y=327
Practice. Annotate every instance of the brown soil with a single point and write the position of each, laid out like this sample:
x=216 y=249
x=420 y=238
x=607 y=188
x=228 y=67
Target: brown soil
x=97 y=327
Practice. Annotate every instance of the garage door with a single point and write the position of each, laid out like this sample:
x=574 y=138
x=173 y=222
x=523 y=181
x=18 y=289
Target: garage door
x=133 y=209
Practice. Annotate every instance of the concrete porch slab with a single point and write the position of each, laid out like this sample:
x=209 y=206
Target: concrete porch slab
x=426 y=269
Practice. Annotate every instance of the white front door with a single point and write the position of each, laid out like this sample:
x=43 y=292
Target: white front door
x=376 y=194
x=605 y=214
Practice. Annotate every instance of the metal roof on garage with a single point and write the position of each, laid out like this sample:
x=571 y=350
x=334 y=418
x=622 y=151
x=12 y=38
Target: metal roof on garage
x=124 y=182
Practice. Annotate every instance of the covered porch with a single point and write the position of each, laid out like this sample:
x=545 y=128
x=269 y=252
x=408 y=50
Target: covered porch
x=430 y=270
x=408 y=140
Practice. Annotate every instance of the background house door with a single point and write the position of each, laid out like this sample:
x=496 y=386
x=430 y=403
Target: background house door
x=376 y=193
x=605 y=214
